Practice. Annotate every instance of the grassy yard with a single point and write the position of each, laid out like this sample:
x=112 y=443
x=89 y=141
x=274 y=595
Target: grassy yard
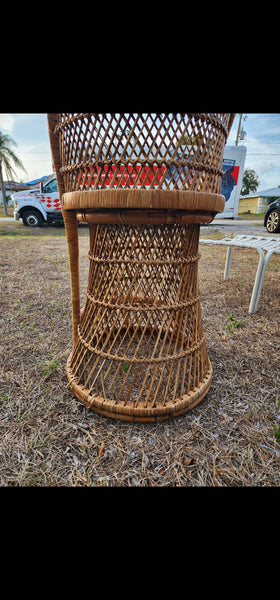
x=250 y=216
x=10 y=211
x=49 y=439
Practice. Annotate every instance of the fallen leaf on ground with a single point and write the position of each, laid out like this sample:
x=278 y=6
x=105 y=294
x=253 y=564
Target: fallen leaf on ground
x=189 y=461
x=101 y=450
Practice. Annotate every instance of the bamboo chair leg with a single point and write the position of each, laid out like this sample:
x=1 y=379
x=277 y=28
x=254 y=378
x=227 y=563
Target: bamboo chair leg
x=71 y=227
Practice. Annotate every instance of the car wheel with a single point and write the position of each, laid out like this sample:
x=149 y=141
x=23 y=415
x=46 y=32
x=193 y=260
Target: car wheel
x=273 y=222
x=32 y=218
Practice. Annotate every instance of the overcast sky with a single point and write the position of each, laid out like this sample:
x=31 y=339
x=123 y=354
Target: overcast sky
x=30 y=132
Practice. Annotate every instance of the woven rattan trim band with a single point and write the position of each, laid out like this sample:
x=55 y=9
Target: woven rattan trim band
x=193 y=164
x=145 y=306
x=145 y=359
x=129 y=216
x=146 y=199
x=120 y=261
x=210 y=118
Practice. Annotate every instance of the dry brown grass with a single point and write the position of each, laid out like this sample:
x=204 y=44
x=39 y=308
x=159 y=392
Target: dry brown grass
x=49 y=439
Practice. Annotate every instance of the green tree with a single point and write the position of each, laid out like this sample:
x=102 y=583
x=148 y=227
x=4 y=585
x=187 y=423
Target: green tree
x=250 y=182
x=7 y=157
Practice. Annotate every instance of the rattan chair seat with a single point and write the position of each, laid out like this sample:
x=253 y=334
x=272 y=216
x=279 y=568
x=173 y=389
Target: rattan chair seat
x=144 y=199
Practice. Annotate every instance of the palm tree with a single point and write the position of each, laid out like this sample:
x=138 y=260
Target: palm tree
x=7 y=156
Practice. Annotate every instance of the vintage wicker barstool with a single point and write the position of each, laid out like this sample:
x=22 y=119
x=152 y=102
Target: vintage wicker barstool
x=143 y=183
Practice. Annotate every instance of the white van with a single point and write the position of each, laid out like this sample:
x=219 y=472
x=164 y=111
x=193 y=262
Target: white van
x=233 y=167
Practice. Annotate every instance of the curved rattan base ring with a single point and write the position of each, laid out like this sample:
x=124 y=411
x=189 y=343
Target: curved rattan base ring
x=141 y=413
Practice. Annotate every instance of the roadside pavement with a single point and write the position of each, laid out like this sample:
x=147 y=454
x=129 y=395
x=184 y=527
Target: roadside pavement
x=226 y=226
x=236 y=227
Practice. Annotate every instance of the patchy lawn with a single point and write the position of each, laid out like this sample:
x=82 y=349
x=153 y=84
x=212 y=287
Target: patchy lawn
x=49 y=439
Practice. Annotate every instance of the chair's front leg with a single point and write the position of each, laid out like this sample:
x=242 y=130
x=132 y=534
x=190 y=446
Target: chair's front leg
x=71 y=228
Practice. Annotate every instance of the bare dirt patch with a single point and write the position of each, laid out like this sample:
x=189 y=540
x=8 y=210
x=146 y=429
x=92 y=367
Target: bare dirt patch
x=49 y=438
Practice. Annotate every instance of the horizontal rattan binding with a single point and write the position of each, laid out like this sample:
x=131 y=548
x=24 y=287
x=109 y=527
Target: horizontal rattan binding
x=143 y=199
x=143 y=206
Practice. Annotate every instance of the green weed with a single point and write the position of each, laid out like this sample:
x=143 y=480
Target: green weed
x=233 y=325
x=277 y=434
x=50 y=365
x=125 y=365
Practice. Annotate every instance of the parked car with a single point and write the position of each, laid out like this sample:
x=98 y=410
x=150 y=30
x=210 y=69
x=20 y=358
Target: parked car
x=272 y=217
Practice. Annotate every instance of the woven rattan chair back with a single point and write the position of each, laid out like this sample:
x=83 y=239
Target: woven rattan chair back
x=143 y=183
x=156 y=150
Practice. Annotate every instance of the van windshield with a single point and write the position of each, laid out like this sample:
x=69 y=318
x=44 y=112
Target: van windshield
x=51 y=186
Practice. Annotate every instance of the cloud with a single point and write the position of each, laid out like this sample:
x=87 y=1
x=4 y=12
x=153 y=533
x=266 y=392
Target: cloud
x=263 y=148
x=6 y=121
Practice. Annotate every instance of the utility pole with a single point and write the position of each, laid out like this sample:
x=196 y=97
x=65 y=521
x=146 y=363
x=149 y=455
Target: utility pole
x=238 y=130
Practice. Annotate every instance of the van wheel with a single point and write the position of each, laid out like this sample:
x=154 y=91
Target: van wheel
x=32 y=218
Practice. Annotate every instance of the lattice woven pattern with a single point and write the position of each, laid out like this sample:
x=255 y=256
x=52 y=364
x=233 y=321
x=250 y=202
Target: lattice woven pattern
x=143 y=183
x=153 y=150
x=141 y=350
